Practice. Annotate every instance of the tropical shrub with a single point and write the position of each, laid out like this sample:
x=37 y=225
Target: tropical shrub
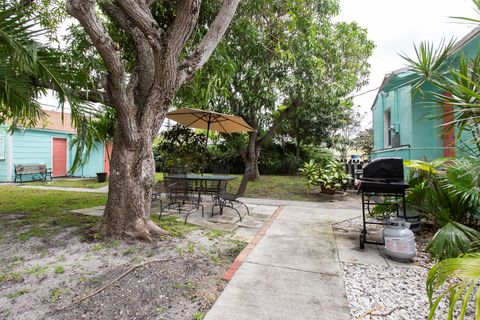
x=330 y=176
x=447 y=190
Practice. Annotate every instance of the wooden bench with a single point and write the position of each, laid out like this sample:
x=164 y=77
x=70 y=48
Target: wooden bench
x=37 y=171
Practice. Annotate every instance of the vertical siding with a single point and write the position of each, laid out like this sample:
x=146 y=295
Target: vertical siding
x=4 y=162
x=94 y=163
x=34 y=146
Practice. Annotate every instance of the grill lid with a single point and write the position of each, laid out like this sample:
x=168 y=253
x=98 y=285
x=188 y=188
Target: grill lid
x=386 y=169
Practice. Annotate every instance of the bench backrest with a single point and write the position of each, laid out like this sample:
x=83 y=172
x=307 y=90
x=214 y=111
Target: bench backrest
x=30 y=168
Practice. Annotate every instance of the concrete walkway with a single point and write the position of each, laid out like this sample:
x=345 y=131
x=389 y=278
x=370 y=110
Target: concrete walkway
x=294 y=271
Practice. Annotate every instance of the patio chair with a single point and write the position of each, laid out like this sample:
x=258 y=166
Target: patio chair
x=180 y=194
x=215 y=187
x=157 y=191
x=226 y=200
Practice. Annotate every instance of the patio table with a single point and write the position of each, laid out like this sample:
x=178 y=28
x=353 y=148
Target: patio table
x=201 y=180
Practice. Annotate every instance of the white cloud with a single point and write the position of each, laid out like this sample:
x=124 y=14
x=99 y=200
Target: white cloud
x=394 y=26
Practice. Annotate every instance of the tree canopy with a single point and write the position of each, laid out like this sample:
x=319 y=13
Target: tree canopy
x=283 y=60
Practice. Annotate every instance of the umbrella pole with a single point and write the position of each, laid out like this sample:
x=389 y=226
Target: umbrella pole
x=206 y=143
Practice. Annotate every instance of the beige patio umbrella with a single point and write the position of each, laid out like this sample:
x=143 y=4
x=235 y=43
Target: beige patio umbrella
x=209 y=120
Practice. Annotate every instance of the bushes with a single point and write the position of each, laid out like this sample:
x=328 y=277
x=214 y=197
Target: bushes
x=330 y=176
x=448 y=191
x=180 y=146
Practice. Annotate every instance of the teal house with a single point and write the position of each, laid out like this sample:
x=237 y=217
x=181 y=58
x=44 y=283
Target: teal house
x=408 y=125
x=48 y=143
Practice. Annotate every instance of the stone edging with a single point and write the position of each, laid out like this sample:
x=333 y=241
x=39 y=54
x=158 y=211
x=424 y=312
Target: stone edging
x=246 y=251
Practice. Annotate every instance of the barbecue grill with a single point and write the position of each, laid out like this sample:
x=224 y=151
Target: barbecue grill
x=381 y=178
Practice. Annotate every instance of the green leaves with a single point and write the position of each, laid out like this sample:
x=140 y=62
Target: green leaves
x=429 y=65
x=448 y=190
x=332 y=175
x=466 y=271
x=452 y=240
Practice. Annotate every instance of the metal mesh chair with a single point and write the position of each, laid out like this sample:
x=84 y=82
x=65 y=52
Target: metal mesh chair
x=226 y=200
x=179 y=193
x=216 y=187
x=157 y=191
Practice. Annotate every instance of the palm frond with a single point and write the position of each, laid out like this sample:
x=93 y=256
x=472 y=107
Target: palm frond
x=428 y=64
x=464 y=181
x=466 y=270
x=452 y=240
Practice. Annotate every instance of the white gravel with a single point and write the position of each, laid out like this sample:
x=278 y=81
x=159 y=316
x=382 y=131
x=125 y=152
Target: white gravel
x=392 y=292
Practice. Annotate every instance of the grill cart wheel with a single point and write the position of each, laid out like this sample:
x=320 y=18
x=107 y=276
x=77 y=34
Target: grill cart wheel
x=362 y=240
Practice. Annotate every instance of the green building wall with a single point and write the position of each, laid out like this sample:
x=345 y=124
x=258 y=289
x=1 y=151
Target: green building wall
x=35 y=146
x=415 y=118
x=4 y=145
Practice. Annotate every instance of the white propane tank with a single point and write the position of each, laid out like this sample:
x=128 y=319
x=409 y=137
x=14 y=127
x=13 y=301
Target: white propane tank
x=399 y=240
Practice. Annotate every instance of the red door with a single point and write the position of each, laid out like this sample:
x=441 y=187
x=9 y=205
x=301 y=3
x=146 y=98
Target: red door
x=107 y=153
x=59 y=157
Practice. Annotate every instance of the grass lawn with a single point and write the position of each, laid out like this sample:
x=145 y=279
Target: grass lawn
x=268 y=186
x=279 y=187
x=275 y=187
x=71 y=183
x=44 y=213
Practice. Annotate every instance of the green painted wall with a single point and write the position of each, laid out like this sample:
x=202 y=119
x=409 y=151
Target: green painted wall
x=415 y=117
x=4 y=140
x=35 y=146
x=94 y=164
x=378 y=125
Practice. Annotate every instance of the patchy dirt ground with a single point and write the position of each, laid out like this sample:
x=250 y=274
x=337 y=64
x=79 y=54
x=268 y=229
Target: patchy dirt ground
x=43 y=278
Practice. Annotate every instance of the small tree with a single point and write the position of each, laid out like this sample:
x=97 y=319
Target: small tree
x=364 y=141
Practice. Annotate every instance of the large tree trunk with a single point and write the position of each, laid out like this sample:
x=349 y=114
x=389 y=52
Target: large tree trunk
x=250 y=156
x=142 y=97
x=252 y=153
x=131 y=178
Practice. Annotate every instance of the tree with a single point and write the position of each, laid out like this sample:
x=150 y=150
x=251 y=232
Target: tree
x=280 y=57
x=364 y=141
x=160 y=50
x=343 y=139
x=313 y=125
x=180 y=147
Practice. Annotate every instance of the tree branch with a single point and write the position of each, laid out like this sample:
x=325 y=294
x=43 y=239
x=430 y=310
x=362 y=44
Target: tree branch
x=141 y=17
x=182 y=27
x=277 y=122
x=91 y=96
x=143 y=54
x=84 y=11
x=209 y=42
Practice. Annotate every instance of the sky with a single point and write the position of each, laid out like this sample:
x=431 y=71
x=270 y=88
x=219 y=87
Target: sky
x=394 y=26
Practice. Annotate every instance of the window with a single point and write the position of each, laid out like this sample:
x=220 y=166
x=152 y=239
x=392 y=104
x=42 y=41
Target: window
x=2 y=147
x=387 y=123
